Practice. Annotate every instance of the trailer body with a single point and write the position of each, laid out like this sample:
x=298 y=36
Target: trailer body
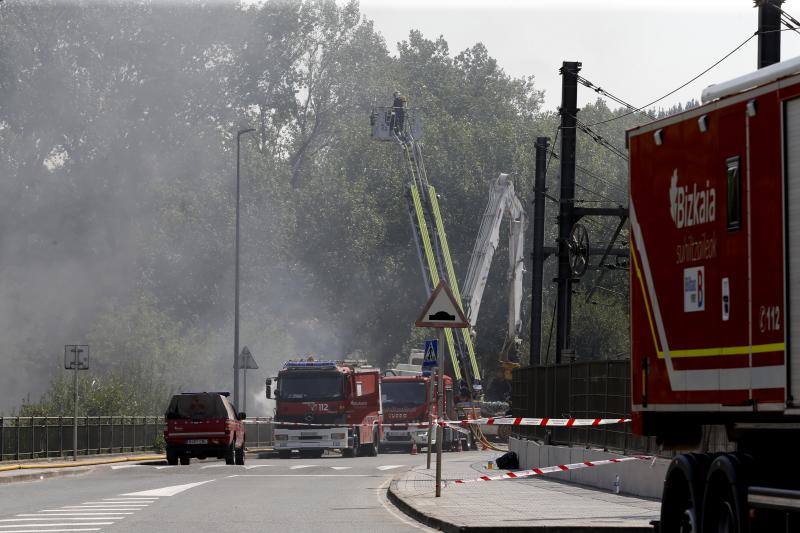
x=715 y=287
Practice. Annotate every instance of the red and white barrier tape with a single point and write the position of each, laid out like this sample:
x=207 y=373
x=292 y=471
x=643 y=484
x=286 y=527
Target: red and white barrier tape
x=555 y=422
x=556 y=468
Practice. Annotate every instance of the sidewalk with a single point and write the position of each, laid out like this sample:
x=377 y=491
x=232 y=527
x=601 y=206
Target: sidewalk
x=532 y=504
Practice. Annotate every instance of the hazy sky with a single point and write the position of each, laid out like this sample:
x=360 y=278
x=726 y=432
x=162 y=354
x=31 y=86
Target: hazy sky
x=636 y=49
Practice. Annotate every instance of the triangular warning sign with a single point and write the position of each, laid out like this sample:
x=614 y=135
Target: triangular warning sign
x=441 y=310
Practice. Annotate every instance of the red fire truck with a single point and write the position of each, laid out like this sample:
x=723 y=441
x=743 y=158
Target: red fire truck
x=407 y=401
x=715 y=276
x=327 y=405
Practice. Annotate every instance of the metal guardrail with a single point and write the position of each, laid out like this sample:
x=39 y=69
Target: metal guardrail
x=33 y=437
x=38 y=437
x=589 y=389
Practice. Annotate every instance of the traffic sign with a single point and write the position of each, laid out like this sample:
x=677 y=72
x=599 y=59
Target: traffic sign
x=246 y=360
x=431 y=353
x=441 y=310
x=76 y=357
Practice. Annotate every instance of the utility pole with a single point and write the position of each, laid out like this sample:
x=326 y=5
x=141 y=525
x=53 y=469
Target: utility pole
x=537 y=254
x=236 y=279
x=569 y=110
x=769 y=34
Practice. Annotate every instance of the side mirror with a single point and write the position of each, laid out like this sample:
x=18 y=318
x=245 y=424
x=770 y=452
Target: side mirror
x=269 y=388
x=242 y=416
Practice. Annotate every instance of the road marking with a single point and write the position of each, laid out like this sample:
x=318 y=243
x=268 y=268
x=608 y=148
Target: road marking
x=167 y=491
x=77 y=509
x=120 y=467
x=62 y=512
x=297 y=467
x=301 y=475
x=2 y=527
x=250 y=467
x=48 y=517
x=389 y=467
x=163 y=467
x=120 y=502
x=46 y=530
x=341 y=467
x=211 y=466
x=380 y=493
x=122 y=498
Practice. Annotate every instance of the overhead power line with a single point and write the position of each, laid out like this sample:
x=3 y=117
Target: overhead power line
x=599 y=139
x=660 y=98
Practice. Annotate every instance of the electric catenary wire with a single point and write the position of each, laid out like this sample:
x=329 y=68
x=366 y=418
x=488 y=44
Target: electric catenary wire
x=705 y=71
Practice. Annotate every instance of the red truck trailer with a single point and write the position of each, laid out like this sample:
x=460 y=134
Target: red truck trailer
x=715 y=300
x=326 y=405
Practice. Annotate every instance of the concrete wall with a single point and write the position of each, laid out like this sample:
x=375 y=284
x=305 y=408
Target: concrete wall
x=637 y=478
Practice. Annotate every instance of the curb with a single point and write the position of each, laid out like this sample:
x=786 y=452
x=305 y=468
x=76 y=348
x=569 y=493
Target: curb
x=448 y=527
x=42 y=475
x=42 y=466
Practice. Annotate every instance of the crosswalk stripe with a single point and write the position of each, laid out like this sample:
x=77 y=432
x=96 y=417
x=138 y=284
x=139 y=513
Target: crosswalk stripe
x=47 y=530
x=4 y=526
x=389 y=467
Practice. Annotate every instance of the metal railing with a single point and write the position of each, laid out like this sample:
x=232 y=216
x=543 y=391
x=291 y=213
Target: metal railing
x=588 y=389
x=39 y=437
x=33 y=437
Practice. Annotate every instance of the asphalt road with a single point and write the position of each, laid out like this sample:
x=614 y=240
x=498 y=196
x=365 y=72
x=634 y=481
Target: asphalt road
x=267 y=494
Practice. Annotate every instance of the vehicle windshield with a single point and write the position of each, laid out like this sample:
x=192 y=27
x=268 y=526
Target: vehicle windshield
x=395 y=393
x=311 y=386
x=196 y=407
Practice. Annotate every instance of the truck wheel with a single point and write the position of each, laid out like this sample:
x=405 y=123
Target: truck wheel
x=230 y=453
x=725 y=495
x=185 y=460
x=681 y=501
x=172 y=457
x=239 y=459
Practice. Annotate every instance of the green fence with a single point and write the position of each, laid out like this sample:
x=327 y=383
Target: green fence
x=35 y=437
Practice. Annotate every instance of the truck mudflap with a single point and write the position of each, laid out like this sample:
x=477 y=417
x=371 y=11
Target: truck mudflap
x=313 y=438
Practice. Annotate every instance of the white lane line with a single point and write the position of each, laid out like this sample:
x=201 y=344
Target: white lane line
x=380 y=493
x=250 y=467
x=81 y=515
x=121 y=498
x=163 y=467
x=78 y=510
x=167 y=491
x=300 y=475
x=341 y=467
x=48 y=517
x=121 y=502
x=60 y=512
x=389 y=467
x=2 y=527
x=121 y=467
x=211 y=466
x=101 y=508
x=298 y=467
x=46 y=530
x=137 y=505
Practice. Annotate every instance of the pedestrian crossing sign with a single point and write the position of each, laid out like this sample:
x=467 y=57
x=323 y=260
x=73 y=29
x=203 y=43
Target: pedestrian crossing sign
x=431 y=353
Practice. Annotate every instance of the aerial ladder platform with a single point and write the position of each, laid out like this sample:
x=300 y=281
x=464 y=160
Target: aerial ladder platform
x=429 y=235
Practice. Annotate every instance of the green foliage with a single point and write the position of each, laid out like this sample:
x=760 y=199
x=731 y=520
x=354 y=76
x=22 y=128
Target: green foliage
x=117 y=124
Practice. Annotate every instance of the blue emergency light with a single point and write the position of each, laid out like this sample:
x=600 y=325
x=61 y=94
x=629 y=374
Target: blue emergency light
x=309 y=364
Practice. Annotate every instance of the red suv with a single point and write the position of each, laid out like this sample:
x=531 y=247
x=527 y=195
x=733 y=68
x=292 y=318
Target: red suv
x=203 y=424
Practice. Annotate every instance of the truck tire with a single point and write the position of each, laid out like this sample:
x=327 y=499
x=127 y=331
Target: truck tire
x=354 y=451
x=185 y=460
x=172 y=457
x=682 y=498
x=230 y=453
x=239 y=455
x=724 y=501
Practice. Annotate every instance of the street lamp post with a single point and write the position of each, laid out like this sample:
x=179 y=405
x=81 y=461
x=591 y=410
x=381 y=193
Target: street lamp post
x=236 y=278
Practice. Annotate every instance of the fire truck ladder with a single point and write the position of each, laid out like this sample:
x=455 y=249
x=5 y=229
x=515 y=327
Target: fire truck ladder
x=430 y=237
